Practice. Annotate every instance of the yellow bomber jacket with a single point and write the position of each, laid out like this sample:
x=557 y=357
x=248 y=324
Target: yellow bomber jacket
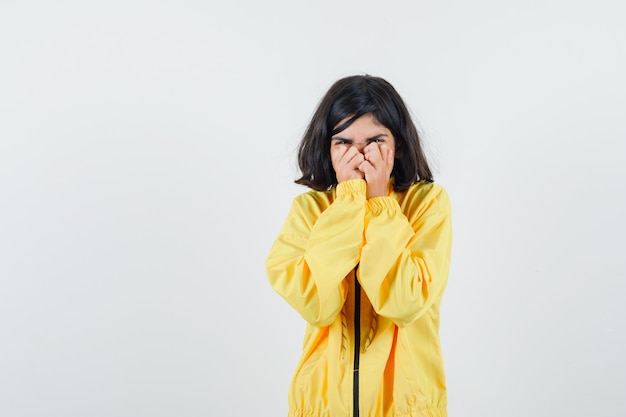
x=368 y=277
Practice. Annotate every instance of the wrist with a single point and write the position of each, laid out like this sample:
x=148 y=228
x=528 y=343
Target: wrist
x=376 y=190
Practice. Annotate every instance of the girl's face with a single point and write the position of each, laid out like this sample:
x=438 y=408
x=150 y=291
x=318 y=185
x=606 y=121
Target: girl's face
x=362 y=132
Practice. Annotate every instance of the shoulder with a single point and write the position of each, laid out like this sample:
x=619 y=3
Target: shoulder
x=424 y=198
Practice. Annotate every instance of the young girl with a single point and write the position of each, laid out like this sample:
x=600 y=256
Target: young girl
x=364 y=259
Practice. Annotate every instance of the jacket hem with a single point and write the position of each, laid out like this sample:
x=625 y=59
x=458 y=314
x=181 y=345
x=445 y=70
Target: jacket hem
x=424 y=412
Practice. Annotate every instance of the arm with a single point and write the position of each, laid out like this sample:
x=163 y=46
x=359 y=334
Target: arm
x=315 y=250
x=405 y=259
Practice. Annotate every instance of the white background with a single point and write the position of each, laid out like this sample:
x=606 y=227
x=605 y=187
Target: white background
x=147 y=153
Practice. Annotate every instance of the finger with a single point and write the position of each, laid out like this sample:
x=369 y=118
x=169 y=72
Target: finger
x=372 y=149
x=350 y=153
x=366 y=168
x=386 y=156
x=390 y=156
x=341 y=161
x=355 y=158
x=384 y=153
x=337 y=157
x=372 y=153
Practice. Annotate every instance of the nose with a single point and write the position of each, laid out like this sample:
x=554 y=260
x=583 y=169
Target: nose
x=360 y=146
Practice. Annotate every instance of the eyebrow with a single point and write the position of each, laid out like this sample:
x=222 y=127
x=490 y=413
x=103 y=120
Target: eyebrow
x=367 y=140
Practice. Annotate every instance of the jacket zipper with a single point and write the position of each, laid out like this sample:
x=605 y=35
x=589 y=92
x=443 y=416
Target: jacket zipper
x=357 y=344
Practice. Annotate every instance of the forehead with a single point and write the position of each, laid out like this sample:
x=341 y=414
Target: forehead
x=366 y=123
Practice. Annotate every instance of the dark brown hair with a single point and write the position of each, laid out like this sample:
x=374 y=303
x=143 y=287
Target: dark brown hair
x=352 y=97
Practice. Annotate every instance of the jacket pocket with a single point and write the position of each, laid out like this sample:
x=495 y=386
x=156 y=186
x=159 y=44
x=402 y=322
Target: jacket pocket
x=409 y=383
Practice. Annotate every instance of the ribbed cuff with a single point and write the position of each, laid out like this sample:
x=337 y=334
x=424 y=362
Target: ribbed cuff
x=377 y=204
x=351 y=188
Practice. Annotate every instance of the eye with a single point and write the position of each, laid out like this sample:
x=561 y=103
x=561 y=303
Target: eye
x=377 y=141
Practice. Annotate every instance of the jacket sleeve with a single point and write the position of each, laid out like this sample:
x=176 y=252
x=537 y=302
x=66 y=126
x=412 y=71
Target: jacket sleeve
x=315 y=250
x=406 y=256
